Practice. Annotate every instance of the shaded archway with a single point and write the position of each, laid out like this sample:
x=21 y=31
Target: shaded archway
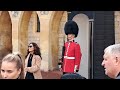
x=27 y=31
x=55 y=22
x=5 y=34
x=23 y=32
x=83 y=39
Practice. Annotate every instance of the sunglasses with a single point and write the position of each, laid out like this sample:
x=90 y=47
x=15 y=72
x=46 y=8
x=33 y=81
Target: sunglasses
x=30 y=46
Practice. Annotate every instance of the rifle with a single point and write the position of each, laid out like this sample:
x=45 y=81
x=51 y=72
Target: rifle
x=63 y=49
x=62 y=58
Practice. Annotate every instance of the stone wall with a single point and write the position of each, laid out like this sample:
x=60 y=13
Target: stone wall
x=117 y=26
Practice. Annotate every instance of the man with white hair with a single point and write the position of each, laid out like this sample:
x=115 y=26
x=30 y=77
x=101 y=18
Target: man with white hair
x=111 y=61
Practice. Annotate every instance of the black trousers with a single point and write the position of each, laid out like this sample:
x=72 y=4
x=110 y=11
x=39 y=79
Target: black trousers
x=29 y=76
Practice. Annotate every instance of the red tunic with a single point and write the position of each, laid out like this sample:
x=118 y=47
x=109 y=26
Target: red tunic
x=72 y=57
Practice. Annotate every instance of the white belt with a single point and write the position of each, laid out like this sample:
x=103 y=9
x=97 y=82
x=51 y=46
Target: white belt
x=66 y=57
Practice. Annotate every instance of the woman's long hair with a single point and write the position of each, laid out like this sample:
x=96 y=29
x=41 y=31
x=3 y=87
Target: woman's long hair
x=36 y=50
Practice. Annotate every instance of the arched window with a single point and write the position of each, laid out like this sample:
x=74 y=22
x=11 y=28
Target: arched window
x=38 y=24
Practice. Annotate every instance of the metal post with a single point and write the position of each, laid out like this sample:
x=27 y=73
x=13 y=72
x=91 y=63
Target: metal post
x=91 y=67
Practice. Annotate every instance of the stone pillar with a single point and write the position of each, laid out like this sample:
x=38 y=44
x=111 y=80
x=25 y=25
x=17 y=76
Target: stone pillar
x=117 y=26
x=44 y=42
x=15 y=35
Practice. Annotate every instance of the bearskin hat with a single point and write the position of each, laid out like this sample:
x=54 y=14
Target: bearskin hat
x=71 y=27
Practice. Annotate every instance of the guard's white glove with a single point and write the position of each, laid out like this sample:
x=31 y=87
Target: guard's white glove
x=75 y=68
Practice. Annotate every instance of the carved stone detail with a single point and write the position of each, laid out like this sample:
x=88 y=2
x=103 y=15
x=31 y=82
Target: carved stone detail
x=44 y=12
x=15 y=13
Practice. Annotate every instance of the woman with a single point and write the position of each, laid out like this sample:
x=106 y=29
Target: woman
x=12 y=67
x=33 y=62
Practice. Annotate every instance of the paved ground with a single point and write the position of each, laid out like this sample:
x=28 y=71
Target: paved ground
x=50 y=75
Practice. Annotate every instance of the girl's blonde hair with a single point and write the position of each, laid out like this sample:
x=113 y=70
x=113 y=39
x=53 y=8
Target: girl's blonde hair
x=15 y=57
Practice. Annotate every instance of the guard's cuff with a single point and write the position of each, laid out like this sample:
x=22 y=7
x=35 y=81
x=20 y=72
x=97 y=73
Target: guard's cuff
x=75 y=68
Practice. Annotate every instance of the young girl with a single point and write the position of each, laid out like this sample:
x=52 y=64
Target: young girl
x=12 y=67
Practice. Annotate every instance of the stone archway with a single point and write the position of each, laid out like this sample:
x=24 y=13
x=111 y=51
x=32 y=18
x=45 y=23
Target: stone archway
x=54 y=43
x=23 y=32
x=27 y=31
x=5 y=34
